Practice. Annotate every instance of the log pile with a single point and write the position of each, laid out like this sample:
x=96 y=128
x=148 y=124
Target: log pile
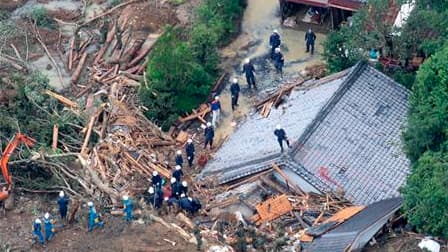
x=274 y=99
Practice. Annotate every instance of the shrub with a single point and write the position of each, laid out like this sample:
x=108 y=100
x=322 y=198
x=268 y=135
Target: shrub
x=39 y=15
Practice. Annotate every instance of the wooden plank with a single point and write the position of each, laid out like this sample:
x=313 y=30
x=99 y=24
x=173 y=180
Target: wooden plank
x=345 y=214
x=54 y=145
x=62 y=99
x=289 y=183
x=274 y=207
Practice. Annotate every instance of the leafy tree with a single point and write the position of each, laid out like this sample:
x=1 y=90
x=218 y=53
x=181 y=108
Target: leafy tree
x=177 y=82
x=426 y=194
x=428 y=117
x=426 y=142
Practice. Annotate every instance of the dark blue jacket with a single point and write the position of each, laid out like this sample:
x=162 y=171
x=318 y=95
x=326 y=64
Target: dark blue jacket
x=156 y=180
x=183 y=189
x=179 y=160
x=278 y=58
x=235 y=88
x=196 y=205
x=175 y=190
x=248 y=69
x=189 y=149
x=63 y=202
x=37 y=228
x=178 y=175
x=216 y=105
x=209 y=133
x=274 y=40
x=155 y=199
x=310 y=37
x=281 y=134
x=186 y=205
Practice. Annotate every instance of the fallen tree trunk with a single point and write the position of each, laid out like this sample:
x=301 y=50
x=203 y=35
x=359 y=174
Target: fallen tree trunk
x=78 y=70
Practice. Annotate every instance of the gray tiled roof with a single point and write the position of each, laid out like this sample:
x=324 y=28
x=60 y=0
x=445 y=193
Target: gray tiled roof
x=338 y=239
x=254 y=139
x=354 y=143
x=348 y=133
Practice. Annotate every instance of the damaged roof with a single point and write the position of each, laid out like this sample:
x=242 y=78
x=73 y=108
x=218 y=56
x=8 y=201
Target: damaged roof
x=354 y=233
x=346 y=134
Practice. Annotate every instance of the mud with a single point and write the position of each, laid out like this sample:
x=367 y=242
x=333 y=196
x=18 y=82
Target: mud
x=258 y=22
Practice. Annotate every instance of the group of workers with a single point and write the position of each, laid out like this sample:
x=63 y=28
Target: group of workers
x=176 y=193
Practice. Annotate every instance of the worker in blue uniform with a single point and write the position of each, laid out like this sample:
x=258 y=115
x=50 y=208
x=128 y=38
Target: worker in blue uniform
x=209 y=134
x=281 y=136
x=179 y=159
x=274 y=42
x=189 y=149
x=63 y=204
x=249 y=70
x=49 y=229
x=234 y=92
x=127 y=208
x=178 y=173
x=156 y=180
x=94 y=220
x=37 y=231
x=279 y=61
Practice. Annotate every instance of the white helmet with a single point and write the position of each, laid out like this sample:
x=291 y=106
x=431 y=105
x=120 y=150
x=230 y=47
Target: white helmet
x=189 y=140
x=235 y=80
x=190 y=199
x=278 y=126
x=277 y=50
x=173 y=180
x=155 y=173
x=151 y=189
x=61 y=194
x=209 y=124
x=179 y=152
x=182 y=195
x=275 y=31
x=178 y=167
x=46 y=215
x=125 y=197
x=247 y=61
x=38 y=221
x=216 y=97
x=90 y=203
x=166 y=198
x=184 y=183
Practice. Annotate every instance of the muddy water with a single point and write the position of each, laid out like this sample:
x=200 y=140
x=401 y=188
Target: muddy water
x=261 y=17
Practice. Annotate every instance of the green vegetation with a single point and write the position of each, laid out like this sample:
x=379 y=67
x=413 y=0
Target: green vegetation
x=40 y=16
x=426 y=137
x=184 y=64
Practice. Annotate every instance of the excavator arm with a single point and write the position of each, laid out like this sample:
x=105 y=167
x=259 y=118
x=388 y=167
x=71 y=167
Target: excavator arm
x=12 y=145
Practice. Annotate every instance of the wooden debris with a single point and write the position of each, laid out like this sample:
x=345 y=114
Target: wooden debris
x=62 y=99
x=345 y=214
x=54 y=144
x=182 y=137
x=78 y=70
x=204 y=109
x=273 y=208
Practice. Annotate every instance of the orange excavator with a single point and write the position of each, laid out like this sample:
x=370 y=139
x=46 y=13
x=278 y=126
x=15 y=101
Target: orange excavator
x=12 y=145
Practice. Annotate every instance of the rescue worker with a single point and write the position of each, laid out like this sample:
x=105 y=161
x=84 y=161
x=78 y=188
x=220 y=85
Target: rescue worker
x=185 y=204
x=216 y=110
x=196 y=204
x=274 y=42
x=103 y=31
x=171 y=203
x=156 y=180
x=279 y=61
x=184 y=187
x=127 y=208
x=155 y=198
x=63 y=204
x=94 y=219
x=37 y=231
x=175 y=190
x=49 y=229
x=310 y=37
x=178 y=173
x=209 y=134
x=249 y=70
x=281 y=136
x=179 y=159
x=235 y=92
x=118 y=36
x=189 y=149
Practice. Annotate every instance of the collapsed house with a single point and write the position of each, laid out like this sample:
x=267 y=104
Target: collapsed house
x=346 y=135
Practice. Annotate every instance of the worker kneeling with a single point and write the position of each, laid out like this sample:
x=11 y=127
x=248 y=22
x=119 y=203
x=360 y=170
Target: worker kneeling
x=155 y=198
x=190 y=205
x=37 y=231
